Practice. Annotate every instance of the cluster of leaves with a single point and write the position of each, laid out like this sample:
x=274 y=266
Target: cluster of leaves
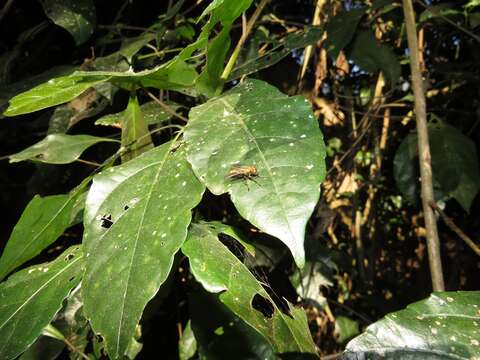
x=252 y=142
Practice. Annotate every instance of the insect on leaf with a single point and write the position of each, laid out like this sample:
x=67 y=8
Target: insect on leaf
x=255 y=127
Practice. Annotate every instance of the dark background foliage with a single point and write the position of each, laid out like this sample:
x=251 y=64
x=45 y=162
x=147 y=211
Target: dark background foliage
x=389 y=270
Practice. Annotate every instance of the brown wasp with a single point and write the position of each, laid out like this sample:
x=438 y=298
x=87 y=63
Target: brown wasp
x=243 y=172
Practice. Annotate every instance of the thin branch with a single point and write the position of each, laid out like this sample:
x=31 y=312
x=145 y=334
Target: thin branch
x=6 y=8
x=248 y=29
x=91 y=163
x=453 y=23
x=433 y=243
x=449 y=222
x=126 y=27
x=165 y=107
x=331 y=356
x=75 y=349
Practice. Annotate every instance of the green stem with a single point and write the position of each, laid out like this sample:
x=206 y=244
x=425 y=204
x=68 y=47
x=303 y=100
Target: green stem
x=141 y=57
x=248 y=29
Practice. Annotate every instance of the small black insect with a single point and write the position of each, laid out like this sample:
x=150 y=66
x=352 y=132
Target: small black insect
x=106 y=221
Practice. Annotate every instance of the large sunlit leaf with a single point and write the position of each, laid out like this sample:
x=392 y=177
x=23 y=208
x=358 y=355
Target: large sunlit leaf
x=53 y=92
x=219 y=271
x=58 y=148
x=42 y=222
x=76 y=16
x=136 y=219
x=456 y=173
x=256 y=125
x=174 y=75
x=444 y=326
x=135 y=131
x=31 y=297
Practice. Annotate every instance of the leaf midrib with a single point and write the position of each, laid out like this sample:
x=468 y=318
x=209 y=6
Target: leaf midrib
x=267 y=166
x=127 y=282
x=41 y=288
x=41 y=232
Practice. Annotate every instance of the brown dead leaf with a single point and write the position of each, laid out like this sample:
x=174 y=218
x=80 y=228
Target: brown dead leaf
x=342 y=65
x=331 y=115
x=348 y=185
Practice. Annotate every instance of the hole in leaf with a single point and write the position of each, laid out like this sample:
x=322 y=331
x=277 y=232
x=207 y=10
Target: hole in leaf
x=279 y=301
x=69 y=257
x=72 y=278
x=263 y=305
x=126 y=207
x=106 y=221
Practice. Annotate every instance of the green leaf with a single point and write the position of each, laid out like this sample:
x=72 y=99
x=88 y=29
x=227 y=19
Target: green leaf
x=152 y=113
x=220 y=334
x=309 y=280
x=378 y=4
x=219 y=271
x=44 y=348
x=455 y=167
x=256 y=125
x=31 y=297
x=42 y=222
x=148 y=203
x=58 y=148
x=341 y=29
x=444 y=326
x=76 y=16
x=226 y=11
x=373 y=56
x=135 y=135
x=259 y=63
x=54 y=92
x=438 y=11
x=282 y=48
x=71 y=323
x=174 y=75
x=209 y=80
x=345 y=329
x=219 y=227
x=187 y=345
x=131 y=46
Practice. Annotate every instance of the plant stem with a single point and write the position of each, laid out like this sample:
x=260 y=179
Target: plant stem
x=6 y=9
x=449 y=222
x=165 y=107
x=424 y=157
x=248 y=29
x=446 y=19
